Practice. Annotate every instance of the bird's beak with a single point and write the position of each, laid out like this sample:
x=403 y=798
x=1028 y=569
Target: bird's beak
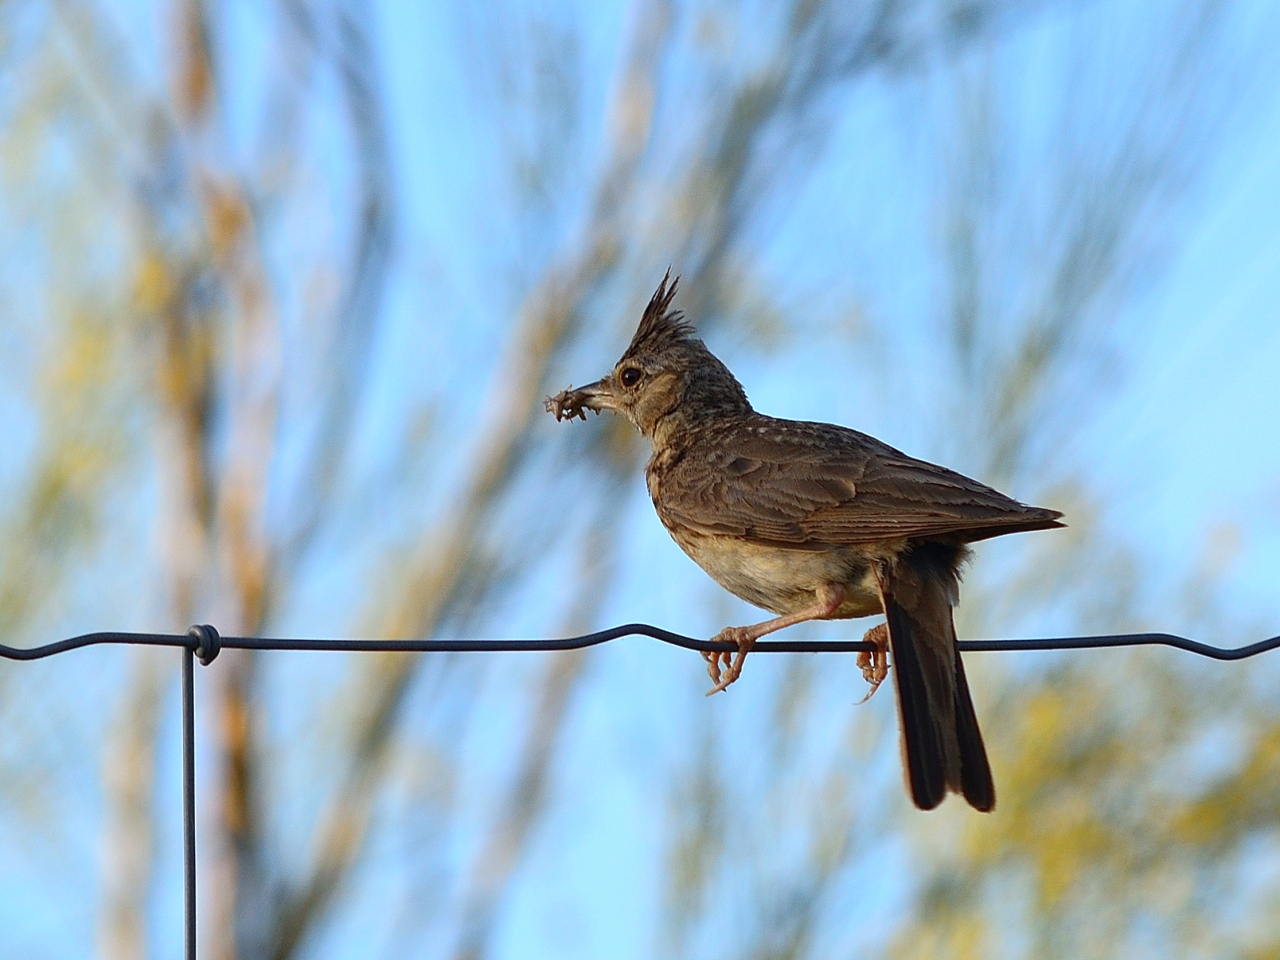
x=571 y=403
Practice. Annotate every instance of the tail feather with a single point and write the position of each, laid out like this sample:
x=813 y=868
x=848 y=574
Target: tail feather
x=941 y=743
x=923 y=753
x=975 y=771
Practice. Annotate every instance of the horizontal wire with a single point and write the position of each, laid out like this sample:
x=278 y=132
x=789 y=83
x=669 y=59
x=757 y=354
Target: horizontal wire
x=193 y=642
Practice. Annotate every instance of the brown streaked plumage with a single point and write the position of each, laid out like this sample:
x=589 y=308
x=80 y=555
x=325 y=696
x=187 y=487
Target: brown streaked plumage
x=815 y=521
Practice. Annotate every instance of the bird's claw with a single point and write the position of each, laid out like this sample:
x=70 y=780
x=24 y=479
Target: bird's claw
x=713 y=664
x=731 y=661
x=874 y=663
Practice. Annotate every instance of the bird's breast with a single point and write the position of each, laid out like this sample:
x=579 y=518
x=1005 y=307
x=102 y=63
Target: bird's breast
x=781 y=579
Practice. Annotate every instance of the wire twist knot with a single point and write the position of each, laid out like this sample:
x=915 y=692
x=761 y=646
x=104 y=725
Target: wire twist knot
x=208 y=642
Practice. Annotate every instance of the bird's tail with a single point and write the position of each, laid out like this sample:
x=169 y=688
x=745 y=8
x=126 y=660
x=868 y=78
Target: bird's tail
x=941 y=743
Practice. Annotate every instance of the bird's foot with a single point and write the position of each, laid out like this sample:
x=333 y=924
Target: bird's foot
x=732 y=662
x=875 y=663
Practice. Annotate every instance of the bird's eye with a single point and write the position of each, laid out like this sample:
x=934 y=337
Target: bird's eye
x=631 y=376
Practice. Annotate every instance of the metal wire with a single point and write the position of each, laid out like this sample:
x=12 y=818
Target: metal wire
x=203 y=642
x=194 y=638
x=189 y=798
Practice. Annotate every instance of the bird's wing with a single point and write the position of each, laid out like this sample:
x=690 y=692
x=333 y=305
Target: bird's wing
x=810 y=485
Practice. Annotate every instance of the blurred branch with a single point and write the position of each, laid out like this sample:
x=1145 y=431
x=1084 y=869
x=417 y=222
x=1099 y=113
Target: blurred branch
x=776 y=116
x=511 y=829
x=1033 y=295
x=358 y=311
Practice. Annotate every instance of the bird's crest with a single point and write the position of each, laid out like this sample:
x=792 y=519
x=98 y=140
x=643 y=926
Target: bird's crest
x=661 y=326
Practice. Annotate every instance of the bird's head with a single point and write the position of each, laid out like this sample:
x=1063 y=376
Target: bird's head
x=666 y=380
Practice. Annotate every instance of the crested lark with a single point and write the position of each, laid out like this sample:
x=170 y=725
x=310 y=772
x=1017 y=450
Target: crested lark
x=813 y=521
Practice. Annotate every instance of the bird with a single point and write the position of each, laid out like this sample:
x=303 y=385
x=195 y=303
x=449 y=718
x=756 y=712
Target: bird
x=814 y=521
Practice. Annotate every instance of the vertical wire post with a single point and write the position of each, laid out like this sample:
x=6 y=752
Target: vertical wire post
x=189 y=794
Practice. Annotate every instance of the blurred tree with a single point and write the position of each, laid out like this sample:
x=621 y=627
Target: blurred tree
x=205 y=222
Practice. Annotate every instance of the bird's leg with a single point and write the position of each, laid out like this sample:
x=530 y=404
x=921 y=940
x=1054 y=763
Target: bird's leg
x=875 y=664
x=827 y=602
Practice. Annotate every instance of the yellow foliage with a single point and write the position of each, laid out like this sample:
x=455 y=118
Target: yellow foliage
x=153 y=283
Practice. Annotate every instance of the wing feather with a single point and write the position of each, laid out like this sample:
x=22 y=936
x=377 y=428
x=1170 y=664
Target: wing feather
x=815 y=484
